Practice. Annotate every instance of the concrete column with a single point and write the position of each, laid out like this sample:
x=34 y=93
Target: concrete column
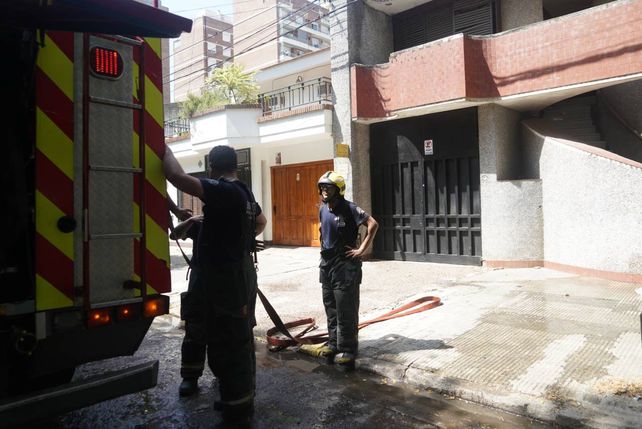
x=517 y=13
x=362 y=35
x=512 y=223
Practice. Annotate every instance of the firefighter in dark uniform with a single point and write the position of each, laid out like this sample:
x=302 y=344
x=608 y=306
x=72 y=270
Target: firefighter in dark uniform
x=340 y=267
x=194 y=346
x=226 y=272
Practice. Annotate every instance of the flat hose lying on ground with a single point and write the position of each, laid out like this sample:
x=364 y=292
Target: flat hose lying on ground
x=304 y=337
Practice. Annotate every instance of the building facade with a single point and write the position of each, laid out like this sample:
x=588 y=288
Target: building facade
x=284 y=144
x=273 y=31
x=496 y=132
x=195 y=54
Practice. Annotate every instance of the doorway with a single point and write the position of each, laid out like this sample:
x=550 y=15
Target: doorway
x=425 y=182
x=295 y=203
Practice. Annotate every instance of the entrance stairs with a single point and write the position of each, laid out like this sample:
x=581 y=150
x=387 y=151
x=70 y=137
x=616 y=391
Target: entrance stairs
x=574 y=120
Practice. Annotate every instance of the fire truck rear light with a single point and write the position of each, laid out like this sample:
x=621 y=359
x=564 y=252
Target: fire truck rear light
x=106 y=62
x=99 y=317
x=156 y=306
x=128 y=312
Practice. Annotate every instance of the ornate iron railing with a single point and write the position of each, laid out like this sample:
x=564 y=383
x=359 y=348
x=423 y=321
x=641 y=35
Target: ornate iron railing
x=317 y=91
x=176 y=127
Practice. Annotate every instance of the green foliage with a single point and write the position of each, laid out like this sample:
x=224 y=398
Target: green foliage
x=196 y=104
x=226 y=85
x=234 y=84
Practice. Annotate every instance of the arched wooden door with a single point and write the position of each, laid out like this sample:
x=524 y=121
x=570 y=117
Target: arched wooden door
x=295 y=203
x=425 y=187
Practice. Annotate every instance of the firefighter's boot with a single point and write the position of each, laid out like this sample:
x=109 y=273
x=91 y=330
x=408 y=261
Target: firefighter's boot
x=188 y=387
x=328 y=353
x=345 y=361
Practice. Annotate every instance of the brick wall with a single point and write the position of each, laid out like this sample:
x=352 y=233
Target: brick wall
x=590 y=45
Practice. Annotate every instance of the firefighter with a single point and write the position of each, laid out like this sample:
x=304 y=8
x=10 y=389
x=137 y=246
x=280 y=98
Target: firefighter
x=340 y=267
x=194 y=346
x=225 y=267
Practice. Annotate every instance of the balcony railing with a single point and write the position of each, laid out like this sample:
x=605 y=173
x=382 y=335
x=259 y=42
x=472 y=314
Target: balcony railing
x=317 y=91
x=176 y=127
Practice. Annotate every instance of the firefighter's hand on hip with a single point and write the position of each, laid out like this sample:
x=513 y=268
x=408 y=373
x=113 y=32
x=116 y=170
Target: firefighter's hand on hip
x=354 y=253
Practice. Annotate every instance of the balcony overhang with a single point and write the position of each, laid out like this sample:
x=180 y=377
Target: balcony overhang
x=524 y=69
x=393 y=7
x=301 y=125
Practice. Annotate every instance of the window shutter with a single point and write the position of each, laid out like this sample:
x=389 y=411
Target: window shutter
x=410 y=32
x=473 y=17
x=440 y=24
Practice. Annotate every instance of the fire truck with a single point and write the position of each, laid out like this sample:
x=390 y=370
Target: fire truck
x=84 y=259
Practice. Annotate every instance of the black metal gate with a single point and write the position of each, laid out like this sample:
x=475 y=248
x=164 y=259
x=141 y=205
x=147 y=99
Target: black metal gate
x=425 y=187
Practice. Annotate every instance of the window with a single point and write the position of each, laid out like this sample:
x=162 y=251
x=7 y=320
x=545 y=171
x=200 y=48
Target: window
x=227 y=52
x=227 y=36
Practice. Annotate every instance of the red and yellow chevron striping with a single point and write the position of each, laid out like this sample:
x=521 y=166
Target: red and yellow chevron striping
x=156 y=216
x=54 y=250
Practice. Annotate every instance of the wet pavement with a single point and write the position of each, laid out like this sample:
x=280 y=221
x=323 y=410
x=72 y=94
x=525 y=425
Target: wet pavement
x=536 y=342
x=293 y=390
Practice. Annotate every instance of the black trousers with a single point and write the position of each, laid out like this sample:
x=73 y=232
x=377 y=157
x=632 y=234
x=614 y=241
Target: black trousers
x=340 y=280
x=194 y=344
x=230 y=293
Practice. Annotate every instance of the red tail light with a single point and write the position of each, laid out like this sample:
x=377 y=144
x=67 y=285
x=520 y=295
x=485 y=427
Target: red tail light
x=106 y=62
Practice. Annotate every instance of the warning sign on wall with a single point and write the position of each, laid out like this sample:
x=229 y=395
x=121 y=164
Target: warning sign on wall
x=428 y=149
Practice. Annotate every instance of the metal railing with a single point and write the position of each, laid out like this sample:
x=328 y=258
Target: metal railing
x=176 y=127
x=317 y=91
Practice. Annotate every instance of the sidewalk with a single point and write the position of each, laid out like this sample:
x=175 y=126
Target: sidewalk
x=536 y=342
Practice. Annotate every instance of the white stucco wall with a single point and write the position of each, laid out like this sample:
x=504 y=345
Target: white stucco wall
x=592 y=205
x=511 y=209
x=512 y=224
x=300 y=128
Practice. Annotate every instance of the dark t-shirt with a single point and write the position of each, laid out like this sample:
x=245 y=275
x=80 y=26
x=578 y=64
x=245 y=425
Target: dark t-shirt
x=339 y=226
x=227 y=205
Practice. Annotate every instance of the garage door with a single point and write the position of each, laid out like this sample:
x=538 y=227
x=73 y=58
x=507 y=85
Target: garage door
x=425 y=183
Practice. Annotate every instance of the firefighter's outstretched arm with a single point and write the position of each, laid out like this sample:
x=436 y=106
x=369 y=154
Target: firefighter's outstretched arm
x=177 y=176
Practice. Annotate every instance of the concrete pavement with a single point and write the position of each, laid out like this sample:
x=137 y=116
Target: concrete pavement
x=545 y=344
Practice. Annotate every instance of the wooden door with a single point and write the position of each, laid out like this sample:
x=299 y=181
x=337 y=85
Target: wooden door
x=295 y=203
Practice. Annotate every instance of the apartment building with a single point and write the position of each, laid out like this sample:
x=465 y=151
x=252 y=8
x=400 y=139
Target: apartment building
x=273 y=31
x=496 y=132
x=194 y=54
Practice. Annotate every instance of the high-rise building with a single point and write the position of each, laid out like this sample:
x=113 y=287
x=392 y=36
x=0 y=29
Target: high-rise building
x=195 y=54
x=272 y=31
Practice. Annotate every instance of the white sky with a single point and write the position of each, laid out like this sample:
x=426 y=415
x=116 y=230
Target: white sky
x=191 y=8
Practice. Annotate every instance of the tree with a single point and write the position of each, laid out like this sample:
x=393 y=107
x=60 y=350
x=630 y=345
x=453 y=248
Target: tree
x=234 y=83
x=226 y=85
x=195 y=103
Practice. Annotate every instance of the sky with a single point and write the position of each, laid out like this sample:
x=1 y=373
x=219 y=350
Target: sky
x=191 y=8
